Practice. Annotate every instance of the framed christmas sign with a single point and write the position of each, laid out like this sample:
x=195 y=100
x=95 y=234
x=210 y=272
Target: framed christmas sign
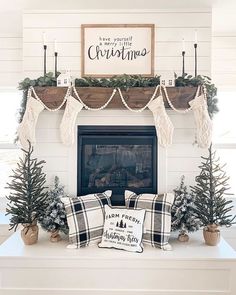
x=108 y=50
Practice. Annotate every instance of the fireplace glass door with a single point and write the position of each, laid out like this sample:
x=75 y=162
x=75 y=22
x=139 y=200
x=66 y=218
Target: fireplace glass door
x=117 y=158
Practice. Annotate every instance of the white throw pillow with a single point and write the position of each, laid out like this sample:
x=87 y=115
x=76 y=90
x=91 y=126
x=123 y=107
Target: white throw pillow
x=123 y=229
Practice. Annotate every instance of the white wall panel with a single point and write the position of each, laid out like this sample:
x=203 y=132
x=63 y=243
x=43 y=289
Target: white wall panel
x=9 y=66
x=73 y=20
x=224 y=48
x=183 y=165
x=184 y=150
x=72 y=35
x=10 y=46
x=10 y=42
x=172 y=64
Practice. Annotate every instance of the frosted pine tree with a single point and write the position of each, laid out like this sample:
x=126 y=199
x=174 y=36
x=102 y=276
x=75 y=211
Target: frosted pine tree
x=54 y=218
x=182 y=217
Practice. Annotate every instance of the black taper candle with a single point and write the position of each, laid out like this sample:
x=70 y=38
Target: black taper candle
x=45 y=60
x=183 y=67
x=195 y=59
x=55 y=54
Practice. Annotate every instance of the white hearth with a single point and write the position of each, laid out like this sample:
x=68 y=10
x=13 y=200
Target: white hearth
x=48 y=268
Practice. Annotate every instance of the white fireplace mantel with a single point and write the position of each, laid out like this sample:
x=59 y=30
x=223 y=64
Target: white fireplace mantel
x=49 y=268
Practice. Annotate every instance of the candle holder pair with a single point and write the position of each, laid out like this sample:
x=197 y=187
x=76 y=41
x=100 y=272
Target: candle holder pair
x=195 y=61
x=45 y=61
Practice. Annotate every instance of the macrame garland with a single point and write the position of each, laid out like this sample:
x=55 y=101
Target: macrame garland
x=73 y=107
x=26 y=129
x=202 y=119
x=163 y=124
x=94 y=109
x=31 y=90
x=143 y=108
x=172 y=106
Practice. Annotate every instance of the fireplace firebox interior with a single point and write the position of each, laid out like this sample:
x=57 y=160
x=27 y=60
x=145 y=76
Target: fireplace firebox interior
x=117 y=158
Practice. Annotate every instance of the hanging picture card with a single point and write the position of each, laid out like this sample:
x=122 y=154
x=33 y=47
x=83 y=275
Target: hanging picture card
x=109 y=50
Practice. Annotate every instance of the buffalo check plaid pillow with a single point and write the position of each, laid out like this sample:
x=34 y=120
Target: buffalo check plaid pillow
x=85 y=217
x=157 y=224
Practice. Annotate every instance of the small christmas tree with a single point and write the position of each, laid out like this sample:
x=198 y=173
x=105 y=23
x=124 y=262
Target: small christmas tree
x=27 y=193
x=182 y=217
x=212 y=208
x=54 y=218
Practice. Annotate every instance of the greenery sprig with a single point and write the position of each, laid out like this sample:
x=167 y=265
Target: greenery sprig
x=124 y=82
x=211 y=90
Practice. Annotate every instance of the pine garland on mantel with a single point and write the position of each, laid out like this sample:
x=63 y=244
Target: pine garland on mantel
x=124 y=82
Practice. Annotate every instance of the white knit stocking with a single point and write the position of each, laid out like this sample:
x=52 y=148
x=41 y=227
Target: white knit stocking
x=163 y=124
x=202 y=120
x=26 y=129
x=73 y=107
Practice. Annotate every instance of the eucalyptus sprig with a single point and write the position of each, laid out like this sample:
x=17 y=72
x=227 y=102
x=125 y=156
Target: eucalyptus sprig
x=123 y=81
x=211 y=90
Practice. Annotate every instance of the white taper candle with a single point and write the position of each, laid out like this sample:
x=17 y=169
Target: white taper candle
x=44 y=38
x=195 y=37
x=183 y=44
x=55 y=45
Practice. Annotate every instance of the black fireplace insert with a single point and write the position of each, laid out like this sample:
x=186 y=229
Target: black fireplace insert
x=116 y=158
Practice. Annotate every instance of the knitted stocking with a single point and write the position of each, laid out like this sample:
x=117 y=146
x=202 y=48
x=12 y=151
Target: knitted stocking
x=164 y=126
x=26 y=129
x=202 y=120
x=73 y=107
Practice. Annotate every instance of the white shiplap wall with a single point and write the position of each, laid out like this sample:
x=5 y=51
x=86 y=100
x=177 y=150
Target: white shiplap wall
x=182 y=157
x=10 y=48
x=224 y=48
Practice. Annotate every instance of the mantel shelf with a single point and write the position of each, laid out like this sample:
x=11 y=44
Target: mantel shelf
x=136 y=97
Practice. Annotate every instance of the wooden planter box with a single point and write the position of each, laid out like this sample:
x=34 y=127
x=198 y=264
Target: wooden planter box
x=136 y=97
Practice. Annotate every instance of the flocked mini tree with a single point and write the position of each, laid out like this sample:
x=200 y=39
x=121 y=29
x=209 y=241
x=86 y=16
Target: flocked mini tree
x=54 y=218
x=182 y=216
x=211 y=206
x=27 y=194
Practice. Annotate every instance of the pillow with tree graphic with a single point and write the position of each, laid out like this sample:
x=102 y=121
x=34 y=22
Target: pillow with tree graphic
x=123 y=229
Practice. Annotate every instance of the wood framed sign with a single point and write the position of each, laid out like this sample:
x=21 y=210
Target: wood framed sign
x=108 y=50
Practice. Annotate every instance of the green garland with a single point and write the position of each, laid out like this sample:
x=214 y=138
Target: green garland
x=124 y=82
x=211 y=89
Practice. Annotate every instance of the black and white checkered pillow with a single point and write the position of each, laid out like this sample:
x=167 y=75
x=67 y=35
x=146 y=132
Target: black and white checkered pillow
x=157 y=224
x=85 y=217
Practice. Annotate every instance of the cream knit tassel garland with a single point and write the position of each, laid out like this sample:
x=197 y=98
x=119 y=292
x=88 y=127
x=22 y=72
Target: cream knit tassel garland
x=26 y=129
x=67 y=127
x=202 y=119
x=163 y=124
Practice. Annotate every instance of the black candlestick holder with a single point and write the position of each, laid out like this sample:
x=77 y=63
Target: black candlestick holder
x=45 y=60
x=55 y=55
x=195 y=59
x=183 y=66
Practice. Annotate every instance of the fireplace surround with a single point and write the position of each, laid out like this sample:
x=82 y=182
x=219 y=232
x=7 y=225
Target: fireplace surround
x=116 y=158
